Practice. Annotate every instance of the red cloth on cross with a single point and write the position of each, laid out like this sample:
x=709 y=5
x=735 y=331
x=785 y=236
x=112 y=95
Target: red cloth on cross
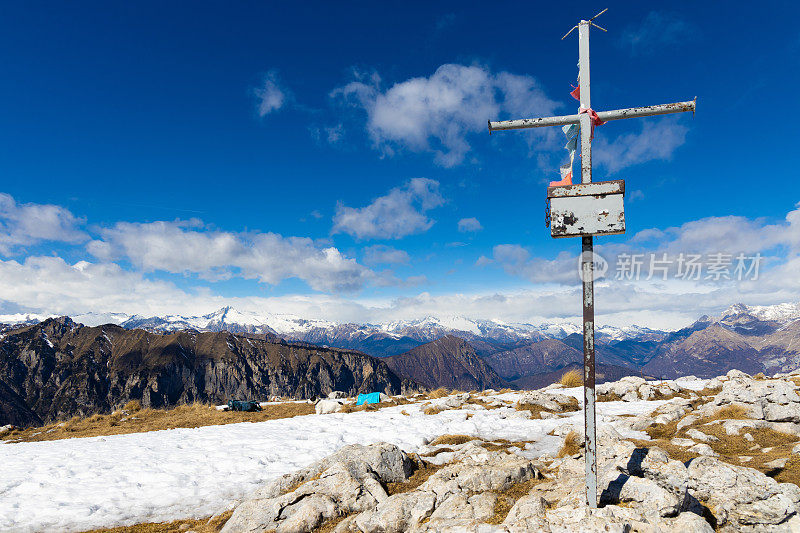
x=595 y=119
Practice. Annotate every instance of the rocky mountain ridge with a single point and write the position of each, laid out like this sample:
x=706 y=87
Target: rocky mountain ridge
x=448 y=362
x=57 y=369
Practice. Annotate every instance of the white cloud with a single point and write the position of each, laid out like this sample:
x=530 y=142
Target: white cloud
x=382 y=254
x=437 y=114
x=399 y=213
x=657 y=30
x=271 y=95
x=186 y=247
x=27 y=224
x=657 y=140
x=51 y=285
x=510 y=253
x=469 y=224
x=779 y=244
x=482 y=261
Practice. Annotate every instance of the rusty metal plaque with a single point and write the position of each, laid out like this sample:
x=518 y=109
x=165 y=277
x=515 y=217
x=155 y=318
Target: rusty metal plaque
x=587 y=209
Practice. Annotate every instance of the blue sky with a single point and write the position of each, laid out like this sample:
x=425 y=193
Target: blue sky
x=331 y=160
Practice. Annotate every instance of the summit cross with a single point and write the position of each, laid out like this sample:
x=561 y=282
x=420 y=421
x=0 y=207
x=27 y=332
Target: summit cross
x=593 y=208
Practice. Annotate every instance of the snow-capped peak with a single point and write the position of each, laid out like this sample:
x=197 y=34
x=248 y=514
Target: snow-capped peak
x=779 y=312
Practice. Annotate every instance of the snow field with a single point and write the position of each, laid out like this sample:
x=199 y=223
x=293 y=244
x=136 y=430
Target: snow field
x=79 y=484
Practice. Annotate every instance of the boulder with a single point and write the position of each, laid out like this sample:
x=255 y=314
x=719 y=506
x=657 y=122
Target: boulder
x=527 y=514
x=550 y=401
x=337 y=395
x=349 y=481
x=397 y=513
x=479 y=472
x=775 y=412
x=690 y=523
x=738 y=496
x=703 y=449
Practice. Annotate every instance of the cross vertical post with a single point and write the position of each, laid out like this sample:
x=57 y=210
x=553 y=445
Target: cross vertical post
x=585 y=210
x=587 y=275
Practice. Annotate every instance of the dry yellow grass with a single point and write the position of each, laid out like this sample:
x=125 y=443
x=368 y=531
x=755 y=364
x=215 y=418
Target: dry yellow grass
x=452 y=439
x=507 y=498
x=503 y=445
x=423 y=470
x=203 y=525
x=143 y=420
x=571 y=378
x=432 y=410
x=132 y=406
x=572 y=445
x=480 y=401
x=441 y=392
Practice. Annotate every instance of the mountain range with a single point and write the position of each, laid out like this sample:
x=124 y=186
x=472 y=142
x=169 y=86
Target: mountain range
x=380 y=340
x=57 y=367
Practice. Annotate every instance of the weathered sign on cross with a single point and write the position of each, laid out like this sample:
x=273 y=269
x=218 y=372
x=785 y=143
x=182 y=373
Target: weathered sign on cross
x=588 y=209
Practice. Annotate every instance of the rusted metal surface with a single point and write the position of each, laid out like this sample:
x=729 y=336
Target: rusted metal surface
x=600 y=211
x=590 y=426
x=578 y=216
x=616 y=114
x=587 y=209
x=586 y=189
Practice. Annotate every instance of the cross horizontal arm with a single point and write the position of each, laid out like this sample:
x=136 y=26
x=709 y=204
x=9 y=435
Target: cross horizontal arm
x=617 y=114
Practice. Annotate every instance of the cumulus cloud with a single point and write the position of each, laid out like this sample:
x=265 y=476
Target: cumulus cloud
x=727 y=233
x=187 y=247
x=437 y=113
x=382 y=254
x=731 y=236
x=51 y=285
x=27 y=224
x=657 y=140
x=657 y=30
x=399 y=213
x=469 y=225
x=271 y=94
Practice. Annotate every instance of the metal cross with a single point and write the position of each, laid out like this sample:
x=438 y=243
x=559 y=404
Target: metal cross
x=587 y=265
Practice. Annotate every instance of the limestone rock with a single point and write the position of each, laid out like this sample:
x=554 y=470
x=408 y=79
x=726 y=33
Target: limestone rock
x=782 y=413
x=738 y=496
x=487 y=471
x=527 y=514
x=696 y=434
x=703 y=449
x=348 y=481
x=686 y=421
x=397 y=513
x=550 y=401
x=690 y=523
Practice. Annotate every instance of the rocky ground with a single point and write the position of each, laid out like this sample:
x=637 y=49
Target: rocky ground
x=723 y=458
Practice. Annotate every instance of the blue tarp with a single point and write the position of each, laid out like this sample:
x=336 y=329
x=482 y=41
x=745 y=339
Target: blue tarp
x=372 y=397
